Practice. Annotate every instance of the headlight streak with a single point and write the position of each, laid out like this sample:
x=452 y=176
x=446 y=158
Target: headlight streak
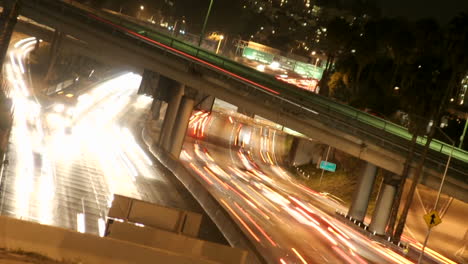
x=299 y=256
x=433 y=253
x=215 y=177
x=241 y=221
x=266 y=200
x=255 y=201
x=200 y=173
x=24 y=132
x=336 y=238
x=256 y=225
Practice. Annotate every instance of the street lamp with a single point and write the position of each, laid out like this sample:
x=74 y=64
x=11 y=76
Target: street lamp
x=139 y=11
x=219 y=43
x=438 y=193
x=204 y=24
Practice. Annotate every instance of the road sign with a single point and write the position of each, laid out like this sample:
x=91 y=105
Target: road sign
x=328 y=166
x=432 y=219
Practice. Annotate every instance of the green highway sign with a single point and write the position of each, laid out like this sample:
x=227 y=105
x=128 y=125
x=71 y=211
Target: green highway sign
x=328 y=166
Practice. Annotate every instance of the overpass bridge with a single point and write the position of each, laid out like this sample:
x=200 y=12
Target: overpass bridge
x=367 y=137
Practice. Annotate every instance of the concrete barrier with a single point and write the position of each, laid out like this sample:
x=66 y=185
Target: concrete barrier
x=153 y=215
x=185 y=245
x=62 y=244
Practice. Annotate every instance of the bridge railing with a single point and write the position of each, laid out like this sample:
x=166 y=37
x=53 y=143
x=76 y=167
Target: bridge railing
x=261 y=81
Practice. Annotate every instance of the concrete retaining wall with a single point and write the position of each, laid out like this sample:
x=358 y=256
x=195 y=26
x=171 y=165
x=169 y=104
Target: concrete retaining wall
x=188 y=246
x=62 y=244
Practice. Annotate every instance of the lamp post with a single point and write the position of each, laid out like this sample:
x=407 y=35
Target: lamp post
x=438 y=193
x=139 y=12
x=204 y=23
x=219 y=43
x=462 y=138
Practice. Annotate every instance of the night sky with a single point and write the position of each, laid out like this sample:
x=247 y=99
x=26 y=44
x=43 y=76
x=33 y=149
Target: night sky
x=442 y=10
x=225 y=13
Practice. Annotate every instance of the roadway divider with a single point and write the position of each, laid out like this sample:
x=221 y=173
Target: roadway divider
x=63 y=244
x=213 y=209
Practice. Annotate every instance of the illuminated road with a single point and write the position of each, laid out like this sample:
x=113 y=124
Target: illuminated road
x=65 y=162
x=287 y=222
x=66 y=177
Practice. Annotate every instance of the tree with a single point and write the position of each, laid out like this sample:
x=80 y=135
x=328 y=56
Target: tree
x=435 y=74
x=338 y=39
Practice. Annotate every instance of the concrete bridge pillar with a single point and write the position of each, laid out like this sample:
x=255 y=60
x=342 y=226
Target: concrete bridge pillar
x=8 y=20
x=156 y=109
x=363 y=192
x=383 y=207
x=176 y=93
x=181 y=125
x=54 y=51
x=149 y=83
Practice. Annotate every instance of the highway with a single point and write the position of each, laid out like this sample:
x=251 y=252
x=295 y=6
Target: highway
x=241 y=165
x=66 y=162
x=307 y=111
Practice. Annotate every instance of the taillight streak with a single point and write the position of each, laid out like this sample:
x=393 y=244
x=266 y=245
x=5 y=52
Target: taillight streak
x=185 y=54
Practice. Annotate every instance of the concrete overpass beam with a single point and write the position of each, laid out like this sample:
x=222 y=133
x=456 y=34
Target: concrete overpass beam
x=245 y=112
x=149 y=83
x=206 y=103
x=177 y=92
x=8 y=20
x=181 y=125
x=362 y=195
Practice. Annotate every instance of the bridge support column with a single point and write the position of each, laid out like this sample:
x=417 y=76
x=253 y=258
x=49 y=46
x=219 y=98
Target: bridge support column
x=362 y=195
x=53 y=53
x=382 y=209
x=8 y=20
x=149 y=83
x=156 y=109
x=170 y=117
x=181 y=125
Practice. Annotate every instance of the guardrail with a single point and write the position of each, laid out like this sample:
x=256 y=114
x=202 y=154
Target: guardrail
x=260 y=81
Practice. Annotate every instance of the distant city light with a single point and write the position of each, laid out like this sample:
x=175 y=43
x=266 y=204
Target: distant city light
x=397 y=88
x=261 y=67
x=142 y=8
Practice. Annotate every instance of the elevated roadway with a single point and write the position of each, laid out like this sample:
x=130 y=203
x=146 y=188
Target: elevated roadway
x=359 y=134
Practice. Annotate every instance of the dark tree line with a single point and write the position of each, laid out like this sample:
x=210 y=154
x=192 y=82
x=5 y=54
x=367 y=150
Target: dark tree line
x=391 y=64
